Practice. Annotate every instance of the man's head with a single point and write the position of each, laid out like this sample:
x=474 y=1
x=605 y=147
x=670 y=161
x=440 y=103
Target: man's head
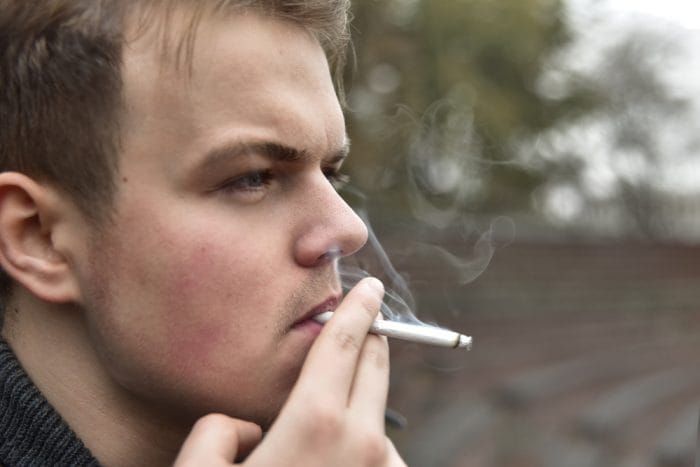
x=61 y=101
x=170 y=168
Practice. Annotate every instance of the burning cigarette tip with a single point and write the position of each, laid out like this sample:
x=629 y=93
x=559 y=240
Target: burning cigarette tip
x=464 y=342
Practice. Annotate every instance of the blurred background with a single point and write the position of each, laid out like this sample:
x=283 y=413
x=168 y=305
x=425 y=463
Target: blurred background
x=532 y=170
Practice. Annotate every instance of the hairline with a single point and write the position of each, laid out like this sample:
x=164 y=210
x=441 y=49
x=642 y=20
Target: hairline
x=181 y=52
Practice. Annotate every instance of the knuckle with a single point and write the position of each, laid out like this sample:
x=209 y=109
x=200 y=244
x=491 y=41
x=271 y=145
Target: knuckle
x=215 y=422
x=373 y=448
x=379 y=357
x=325 y=422
x=370 y=306
x=346 y=341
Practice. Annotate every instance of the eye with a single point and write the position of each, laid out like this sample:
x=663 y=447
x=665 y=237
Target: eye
x=337 y=179
x=249 y=182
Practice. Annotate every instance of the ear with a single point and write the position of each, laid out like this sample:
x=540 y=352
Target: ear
x=30 y=216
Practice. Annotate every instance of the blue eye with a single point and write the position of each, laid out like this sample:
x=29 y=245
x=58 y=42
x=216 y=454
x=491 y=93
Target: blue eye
x=252 y=181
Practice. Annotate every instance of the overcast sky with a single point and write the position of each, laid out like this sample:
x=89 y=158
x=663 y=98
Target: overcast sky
x=685 y=13
x=680 y=19
x=600 y=22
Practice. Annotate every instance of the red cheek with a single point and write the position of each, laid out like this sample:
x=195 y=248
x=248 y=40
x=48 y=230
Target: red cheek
x=191 y=279
x=196 y=319
x=197 y=349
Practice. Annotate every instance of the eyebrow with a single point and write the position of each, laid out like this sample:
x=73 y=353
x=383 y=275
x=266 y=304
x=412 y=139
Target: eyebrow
x=270 y=150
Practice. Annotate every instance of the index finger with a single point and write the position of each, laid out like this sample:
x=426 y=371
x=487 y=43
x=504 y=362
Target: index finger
x=330 y=367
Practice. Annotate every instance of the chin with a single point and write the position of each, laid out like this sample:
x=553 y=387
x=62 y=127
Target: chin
x=266 y=422
x=269 y=408
x=264 y=417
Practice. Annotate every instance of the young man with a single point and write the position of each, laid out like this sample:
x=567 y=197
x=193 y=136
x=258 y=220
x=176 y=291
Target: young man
x=168 y=228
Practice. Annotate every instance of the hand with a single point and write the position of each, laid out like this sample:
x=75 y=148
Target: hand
x=216 y=440
x=335 y=413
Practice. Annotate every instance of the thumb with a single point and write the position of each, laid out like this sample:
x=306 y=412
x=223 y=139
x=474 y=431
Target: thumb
x=217 y=438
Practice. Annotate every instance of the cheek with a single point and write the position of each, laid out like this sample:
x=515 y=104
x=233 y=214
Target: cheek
x=185 y=302
x=192 y=300
x=211 y=297
x=206 y=273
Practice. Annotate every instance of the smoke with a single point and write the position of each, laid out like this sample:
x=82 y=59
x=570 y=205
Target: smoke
x=439 y=174
x=468 y=266
x=443 y=164
x=456 y=268
x=398 y=303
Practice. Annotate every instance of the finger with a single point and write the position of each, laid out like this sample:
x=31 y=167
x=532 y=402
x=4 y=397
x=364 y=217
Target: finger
x=393 y=456
x=332 y=361
x=249 y=436
x=371 y=385
x=217 y=438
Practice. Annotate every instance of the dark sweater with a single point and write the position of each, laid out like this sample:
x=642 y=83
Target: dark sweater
x=32 y=433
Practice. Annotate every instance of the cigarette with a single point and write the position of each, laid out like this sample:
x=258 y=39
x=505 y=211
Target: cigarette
x=422 y=334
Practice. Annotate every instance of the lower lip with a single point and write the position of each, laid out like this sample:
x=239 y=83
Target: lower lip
x=308 y=326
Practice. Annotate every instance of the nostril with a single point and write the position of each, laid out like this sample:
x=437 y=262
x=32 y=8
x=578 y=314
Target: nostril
x=332 y=254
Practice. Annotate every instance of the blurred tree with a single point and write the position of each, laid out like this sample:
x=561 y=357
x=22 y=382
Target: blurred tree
x=443 y=91
x=632 y=139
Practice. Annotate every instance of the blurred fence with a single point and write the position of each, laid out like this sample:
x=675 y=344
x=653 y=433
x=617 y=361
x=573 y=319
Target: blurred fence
x=585 y=354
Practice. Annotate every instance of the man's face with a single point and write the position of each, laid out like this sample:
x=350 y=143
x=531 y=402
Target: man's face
x=224 y=220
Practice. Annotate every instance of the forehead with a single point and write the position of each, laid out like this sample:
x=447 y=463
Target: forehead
x=250 y=77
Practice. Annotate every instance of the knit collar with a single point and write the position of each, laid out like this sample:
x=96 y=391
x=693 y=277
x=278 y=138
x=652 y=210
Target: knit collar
x=31 y=431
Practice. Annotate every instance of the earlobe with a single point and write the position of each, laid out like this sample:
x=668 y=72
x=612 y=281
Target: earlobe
x=29 y=215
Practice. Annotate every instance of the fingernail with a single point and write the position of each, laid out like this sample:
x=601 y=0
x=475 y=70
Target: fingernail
x=376 y=285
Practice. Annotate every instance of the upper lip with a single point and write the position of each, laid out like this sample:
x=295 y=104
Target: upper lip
x=329 y=304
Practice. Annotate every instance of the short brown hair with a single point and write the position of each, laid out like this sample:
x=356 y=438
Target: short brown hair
x=61 y=88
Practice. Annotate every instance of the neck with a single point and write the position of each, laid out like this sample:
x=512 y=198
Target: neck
x=53 y=344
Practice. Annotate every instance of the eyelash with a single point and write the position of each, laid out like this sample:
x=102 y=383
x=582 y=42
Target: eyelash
x=336 y=178
x=263 y=178
x=259 y=178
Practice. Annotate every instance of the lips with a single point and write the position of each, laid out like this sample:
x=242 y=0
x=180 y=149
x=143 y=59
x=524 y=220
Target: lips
x=329 y=304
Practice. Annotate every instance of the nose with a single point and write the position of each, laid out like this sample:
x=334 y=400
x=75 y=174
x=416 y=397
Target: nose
x=330 y=228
